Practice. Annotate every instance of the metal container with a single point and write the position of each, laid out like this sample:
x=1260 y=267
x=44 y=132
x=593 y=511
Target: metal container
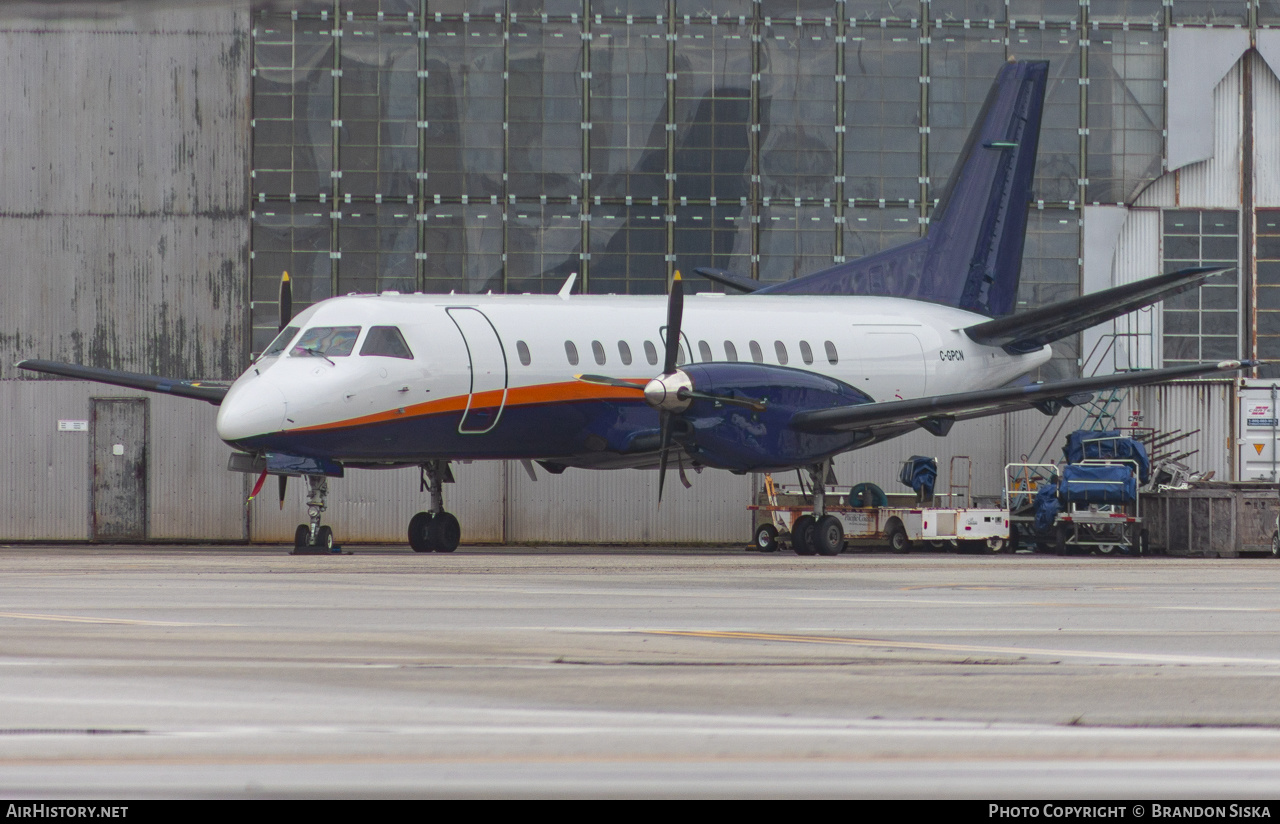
x=1212 y=519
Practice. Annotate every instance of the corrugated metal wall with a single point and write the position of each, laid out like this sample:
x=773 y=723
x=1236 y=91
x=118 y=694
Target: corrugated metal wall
x=1206 y=406
x=1215 y=183
x=1266 y=113
x=123 y=194
x=190 y=494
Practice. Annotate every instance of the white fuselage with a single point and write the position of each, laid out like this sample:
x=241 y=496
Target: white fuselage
x=471 y=351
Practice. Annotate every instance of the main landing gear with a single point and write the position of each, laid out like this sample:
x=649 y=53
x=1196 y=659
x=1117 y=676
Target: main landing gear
x=314 y=539
x=435 y=530
x=819 y=533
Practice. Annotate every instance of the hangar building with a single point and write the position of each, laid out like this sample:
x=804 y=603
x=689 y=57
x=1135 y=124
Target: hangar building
x=164 y=164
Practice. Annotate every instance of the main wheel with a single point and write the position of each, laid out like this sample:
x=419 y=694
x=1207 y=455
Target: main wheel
x=1275 y=544
x=898 y=541
x=766 y=538
x=996 y=546
x=324 y=538
x=802 y=535
x=300 y=536
x=445 y=532
x=420 y=532
x=828 y=536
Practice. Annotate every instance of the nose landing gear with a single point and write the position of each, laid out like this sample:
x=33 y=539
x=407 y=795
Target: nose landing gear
x=314 y=539
x=435 y=530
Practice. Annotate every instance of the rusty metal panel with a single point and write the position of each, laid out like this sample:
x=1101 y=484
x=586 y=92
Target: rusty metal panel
x=123 y=207
x=162 y=295
x=1216 y=519
x=118 y=445
x=151 y=114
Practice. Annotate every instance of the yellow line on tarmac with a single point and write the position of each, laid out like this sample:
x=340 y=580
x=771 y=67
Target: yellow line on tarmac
x=85 y=619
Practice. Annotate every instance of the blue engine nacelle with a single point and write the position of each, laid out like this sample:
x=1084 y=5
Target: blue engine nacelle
x=737 y=438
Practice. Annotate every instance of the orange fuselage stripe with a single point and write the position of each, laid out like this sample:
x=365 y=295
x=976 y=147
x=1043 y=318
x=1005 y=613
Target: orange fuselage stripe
x=566 y=392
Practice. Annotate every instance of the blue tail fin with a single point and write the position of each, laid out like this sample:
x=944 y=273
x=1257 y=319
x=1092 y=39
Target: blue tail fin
x=972 y=254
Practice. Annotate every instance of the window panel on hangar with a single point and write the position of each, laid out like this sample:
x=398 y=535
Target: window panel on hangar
x=882 y=113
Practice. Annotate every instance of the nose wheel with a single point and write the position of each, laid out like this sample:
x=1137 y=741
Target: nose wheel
x=313 y=538
x=435 y=530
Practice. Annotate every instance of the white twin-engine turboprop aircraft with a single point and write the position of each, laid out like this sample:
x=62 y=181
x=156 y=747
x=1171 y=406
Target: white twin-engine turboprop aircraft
x=786 y=376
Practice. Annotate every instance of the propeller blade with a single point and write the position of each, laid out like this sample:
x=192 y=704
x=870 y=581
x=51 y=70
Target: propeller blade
x=281 y=485
x=286 y=300
x=754 y=405
x=604 y=380
x=675 y=313
x=664 y=441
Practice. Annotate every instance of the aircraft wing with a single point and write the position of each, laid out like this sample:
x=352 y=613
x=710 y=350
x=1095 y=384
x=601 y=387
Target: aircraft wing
x=200 y=390
x=1028 y=331
x=937 y=413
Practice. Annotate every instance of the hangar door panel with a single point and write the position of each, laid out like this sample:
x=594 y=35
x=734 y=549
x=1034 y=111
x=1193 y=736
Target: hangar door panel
x=118 y=453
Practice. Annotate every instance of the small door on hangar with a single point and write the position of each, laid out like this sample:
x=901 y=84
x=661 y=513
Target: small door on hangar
x=118 y=462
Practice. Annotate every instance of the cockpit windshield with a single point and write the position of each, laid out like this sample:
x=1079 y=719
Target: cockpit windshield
x=387 y=342
x=281 y=342
x=326 y=341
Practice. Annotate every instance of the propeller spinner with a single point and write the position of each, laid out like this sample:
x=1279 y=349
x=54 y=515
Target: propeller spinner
x=672 y=391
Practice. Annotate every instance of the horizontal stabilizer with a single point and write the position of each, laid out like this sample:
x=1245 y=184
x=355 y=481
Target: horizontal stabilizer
x=1028 y=331
x=729 y=279
x=939 y=411
x=200 y=390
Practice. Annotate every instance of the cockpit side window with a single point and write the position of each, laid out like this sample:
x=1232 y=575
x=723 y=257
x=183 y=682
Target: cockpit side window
x=281 y=342
x=386 y=342
x=329 y=341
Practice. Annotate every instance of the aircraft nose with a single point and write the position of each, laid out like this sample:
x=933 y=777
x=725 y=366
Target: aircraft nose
x=250 y=410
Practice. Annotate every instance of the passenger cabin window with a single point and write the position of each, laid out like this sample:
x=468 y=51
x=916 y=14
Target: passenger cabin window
x=831 y=353
x=756 y=354
x=571 y=352
x=597 y=349
x=780 y=349
x=385 y=342
x=326 y=341
x=281 y=343
x=624 y=352
x=704 y=350
x=522 y=351
x=806 y=354
x=730 y=351
x=650 y=353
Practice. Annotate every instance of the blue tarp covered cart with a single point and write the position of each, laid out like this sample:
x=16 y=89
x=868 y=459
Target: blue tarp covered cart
x=1089 y=506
